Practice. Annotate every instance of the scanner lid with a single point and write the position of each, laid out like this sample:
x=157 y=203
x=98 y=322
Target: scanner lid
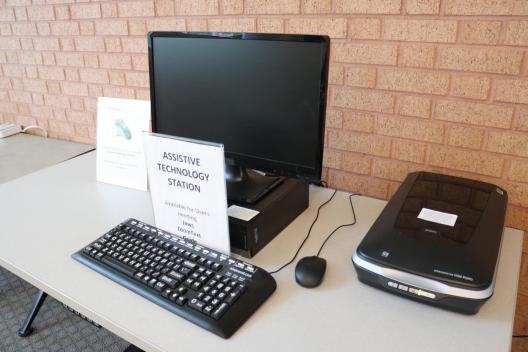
x=443 y=227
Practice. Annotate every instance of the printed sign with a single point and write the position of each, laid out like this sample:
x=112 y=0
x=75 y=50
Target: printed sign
x=120 y=127
x=187 y=186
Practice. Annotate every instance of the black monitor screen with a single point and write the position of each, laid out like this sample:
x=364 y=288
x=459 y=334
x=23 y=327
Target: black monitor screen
x=262 y=96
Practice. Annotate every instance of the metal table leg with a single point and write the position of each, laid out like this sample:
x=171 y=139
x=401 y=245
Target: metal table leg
x=26 y=329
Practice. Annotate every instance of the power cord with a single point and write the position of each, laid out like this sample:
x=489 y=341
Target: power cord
x=36 y=127
x=312 y=225
x=307 y=235
x=341 y=226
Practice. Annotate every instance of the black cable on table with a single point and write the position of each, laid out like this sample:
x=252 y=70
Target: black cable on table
x=307 y=235
x=312 y=225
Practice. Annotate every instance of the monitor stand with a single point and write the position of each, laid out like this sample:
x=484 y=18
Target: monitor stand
x=248 y=186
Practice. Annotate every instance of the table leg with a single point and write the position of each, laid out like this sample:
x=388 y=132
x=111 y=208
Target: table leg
x=26 y=329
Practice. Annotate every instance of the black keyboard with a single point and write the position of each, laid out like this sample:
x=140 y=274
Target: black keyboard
x=208 y=288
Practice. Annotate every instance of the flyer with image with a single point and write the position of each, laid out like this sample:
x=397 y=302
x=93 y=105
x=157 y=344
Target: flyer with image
x=120 y=127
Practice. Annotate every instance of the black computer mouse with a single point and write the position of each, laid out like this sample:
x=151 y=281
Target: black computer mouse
x=309 y=271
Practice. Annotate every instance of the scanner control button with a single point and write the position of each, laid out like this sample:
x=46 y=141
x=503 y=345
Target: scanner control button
x=403 y=287
x=393 y=284
x=413 y=290
x=427 y=294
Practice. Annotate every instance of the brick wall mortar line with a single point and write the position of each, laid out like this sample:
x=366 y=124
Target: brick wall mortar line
x=220 y=7
x=432 y=109
x=424 y=43
x=450 y=84
x=371 y=166
x=458 y=30
x=524 y=64
x=441 y=11
x=502 y=32
x=515 y=119
x=493 y=89
x=433 y=118
x=427 y=95
x=401 y=16
x=405 y=68
x=490 y=90
x=398 y=49
x=447 y=133
x=506 y=168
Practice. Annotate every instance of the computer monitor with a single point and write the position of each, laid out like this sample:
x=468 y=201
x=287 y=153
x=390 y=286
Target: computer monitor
x=263 y=96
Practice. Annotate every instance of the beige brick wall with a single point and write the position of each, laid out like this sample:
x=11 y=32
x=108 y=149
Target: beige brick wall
x=436 y=85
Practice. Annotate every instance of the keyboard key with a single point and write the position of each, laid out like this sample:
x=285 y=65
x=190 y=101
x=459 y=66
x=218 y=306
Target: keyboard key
x=159 y=286
x=208 y=310
x=176 y=275
x=174 y=297
x=189 y=264
x=185 y=271
x=196 y=304
x=217 y=314
x=242 y=288
x=232 y=297
x=181 y=300
x=169 y=281
x=114 y=264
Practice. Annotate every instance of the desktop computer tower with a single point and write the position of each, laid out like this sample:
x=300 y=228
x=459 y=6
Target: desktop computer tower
x=276 y=210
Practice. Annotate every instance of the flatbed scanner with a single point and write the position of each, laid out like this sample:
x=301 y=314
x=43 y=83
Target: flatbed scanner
x=436 y=241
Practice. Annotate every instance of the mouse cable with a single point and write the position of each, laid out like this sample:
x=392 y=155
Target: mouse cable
x=307 y=235
x=341 y=226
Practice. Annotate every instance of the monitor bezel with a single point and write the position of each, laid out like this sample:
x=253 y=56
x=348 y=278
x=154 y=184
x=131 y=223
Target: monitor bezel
x=233 y=158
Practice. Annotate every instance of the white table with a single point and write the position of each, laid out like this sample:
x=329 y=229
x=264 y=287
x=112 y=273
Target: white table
x=57 y=211
x=22 y=154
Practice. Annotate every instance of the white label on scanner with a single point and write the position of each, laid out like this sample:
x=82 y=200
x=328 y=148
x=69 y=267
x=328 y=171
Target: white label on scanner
x=241 y=213
x=438 y=217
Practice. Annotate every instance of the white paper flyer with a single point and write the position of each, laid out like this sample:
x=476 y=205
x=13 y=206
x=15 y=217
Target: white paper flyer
x=187 y=186
x=120 y=127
